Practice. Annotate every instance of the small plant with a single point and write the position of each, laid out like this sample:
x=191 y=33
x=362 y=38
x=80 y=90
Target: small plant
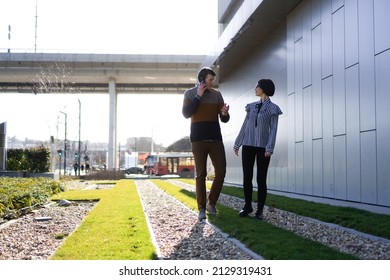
x=60 y=235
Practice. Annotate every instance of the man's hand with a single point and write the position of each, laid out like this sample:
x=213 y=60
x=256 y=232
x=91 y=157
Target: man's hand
x=201 y=89
x=225 y=110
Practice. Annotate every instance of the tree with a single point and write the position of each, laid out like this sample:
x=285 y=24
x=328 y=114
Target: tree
x=182 y=145
x=54 y=78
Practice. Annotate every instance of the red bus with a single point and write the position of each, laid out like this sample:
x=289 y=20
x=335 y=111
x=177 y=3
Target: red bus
x=181 y=164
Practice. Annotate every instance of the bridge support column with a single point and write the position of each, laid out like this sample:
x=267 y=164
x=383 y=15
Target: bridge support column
x=111 y=161
x=3 y=142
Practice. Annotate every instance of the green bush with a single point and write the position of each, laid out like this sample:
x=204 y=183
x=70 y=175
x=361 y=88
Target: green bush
x=18 y=193
x=16 y=160
x=38 y=159
x=105 y=175
x=29 y=160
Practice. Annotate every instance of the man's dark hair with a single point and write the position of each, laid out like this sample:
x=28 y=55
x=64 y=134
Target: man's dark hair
x=204 y=72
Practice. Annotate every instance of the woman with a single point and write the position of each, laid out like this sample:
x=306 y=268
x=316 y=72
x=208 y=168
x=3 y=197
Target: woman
x=257 y=138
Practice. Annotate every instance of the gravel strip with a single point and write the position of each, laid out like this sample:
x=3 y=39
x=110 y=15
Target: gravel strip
x=179 y=234
x=29 y=239
x=361 y=245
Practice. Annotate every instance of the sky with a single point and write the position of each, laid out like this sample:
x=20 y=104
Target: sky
x=115 y=26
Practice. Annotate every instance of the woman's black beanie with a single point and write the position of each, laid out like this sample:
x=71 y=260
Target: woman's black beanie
x=267 y=86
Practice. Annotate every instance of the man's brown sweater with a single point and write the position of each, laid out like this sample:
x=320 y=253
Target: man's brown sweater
x=204 y=112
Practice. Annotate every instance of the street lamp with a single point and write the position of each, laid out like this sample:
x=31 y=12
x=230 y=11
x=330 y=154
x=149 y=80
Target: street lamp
x=79 y=157
x=60 y=155
x=66 y=123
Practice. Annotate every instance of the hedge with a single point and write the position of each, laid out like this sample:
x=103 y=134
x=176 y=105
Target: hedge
x=35 y=160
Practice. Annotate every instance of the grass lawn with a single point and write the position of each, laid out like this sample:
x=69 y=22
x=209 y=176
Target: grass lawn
x=115 y=229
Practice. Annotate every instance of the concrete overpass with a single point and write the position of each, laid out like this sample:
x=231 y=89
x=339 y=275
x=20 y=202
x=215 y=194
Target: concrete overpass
x=45 y=73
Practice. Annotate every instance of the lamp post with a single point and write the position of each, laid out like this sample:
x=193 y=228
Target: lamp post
x=79 y=154
x=66 y=124
x=60 y=155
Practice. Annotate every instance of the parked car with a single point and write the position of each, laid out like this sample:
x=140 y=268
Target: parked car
x=134 y=170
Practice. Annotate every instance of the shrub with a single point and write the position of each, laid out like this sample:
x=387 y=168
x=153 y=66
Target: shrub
x=18 y=193
x=30 y=160
x=16 y=160
x=105 y=175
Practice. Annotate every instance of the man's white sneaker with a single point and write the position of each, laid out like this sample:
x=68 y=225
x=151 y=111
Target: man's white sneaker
x=211 y=209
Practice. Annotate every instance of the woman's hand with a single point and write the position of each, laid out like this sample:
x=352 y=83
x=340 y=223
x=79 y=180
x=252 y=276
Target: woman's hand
x=267 y=154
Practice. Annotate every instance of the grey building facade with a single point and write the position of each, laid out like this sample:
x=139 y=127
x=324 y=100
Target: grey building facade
x=330 y=61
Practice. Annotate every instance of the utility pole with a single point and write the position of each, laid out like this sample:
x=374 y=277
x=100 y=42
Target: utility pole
x=36 y=24
x=79 y=154
x=66 y=123
x=9 y=38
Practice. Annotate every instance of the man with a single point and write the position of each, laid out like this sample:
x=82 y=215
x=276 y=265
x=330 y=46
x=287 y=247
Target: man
x=205 y=105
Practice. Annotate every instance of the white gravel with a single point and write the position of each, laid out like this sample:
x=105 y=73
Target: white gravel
x=29 y=239
x=179 y=234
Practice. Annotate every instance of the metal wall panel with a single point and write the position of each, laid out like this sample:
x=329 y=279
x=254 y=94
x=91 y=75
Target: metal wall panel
x=381 y=25
x=382 y=72
x=337 y=4
x=326 y=37
x=327 y=118
x=308 y=142
x=298 y=22
x=315 y=13
x=317 y=83
x=306 y=8
x=368 y=167
x=291 y=144
x=340 y=164
x=277 y=178
x=338 y=72
x=299 y=167
x=284 y=174
x=353 y=133
x=290 y=55
x=367 y=67
x=351 y=33
x=298 y=112
x=318 y=174
x=279 y=159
